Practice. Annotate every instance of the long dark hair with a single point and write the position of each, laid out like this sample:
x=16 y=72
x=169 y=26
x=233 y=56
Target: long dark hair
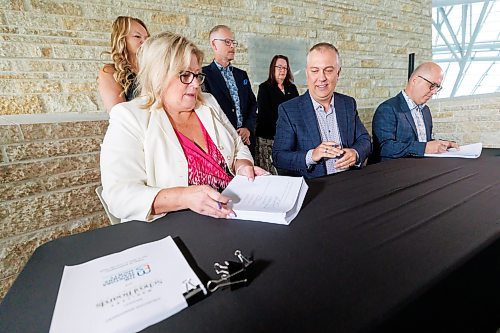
x=272 y=77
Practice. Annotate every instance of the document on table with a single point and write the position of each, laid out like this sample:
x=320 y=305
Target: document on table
x=125 y=291
x=274 y=199
x=467 y=151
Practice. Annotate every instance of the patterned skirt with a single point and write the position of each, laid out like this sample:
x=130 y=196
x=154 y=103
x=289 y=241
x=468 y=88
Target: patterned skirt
x=263 y=155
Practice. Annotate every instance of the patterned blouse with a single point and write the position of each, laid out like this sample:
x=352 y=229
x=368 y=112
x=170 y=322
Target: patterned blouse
x=205 y=168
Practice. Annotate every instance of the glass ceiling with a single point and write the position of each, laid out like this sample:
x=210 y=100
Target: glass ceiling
x=466 y=44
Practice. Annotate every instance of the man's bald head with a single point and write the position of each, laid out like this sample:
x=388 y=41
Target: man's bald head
x=424 y=82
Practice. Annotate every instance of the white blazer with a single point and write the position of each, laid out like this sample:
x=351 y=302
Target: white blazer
x=140 y=155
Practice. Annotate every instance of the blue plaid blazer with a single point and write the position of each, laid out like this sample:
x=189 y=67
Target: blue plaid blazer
x=297 y=132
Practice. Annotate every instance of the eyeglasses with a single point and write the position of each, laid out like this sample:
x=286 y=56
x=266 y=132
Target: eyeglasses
x=281 y=68
x=228 y=41
x=433 y=85
x=187 y=77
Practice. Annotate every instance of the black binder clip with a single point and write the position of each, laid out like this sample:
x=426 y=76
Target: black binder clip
x=232 y=273
x=194 y=293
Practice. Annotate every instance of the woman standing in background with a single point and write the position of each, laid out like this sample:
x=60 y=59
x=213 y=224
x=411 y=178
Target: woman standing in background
x=117 y=80
x=277 y=89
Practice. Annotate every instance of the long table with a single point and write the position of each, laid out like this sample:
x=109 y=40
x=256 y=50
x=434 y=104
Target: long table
x=366 y=244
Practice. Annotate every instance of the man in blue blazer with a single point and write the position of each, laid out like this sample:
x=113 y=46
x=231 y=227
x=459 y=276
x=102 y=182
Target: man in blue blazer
x=319 y=132
x=230 y=85
x=402 y=125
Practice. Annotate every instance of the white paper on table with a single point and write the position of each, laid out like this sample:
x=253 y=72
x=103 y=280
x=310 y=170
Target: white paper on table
x=275 y=199
x=125 y=291
x=467 y=151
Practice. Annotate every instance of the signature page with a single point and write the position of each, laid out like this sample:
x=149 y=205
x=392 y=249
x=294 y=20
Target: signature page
x=467 y=151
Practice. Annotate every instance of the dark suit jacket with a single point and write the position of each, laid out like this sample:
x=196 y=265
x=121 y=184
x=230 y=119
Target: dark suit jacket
x=297 y=132
x=394 y=131
x=216 y=85
x=268 y=100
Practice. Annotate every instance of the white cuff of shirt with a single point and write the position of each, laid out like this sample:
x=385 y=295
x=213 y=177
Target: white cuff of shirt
x=358 y=164
x=309 y=159
x=310 y=162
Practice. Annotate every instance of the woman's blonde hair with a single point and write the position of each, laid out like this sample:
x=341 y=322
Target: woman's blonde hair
x=162 y=58
x=121 y=63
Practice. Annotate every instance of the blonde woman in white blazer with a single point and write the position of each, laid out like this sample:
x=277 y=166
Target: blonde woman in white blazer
x=144 y=164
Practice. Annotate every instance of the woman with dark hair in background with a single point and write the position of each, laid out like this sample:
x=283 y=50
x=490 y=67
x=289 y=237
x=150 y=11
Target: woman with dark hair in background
x=277 y=89
x=117 y=80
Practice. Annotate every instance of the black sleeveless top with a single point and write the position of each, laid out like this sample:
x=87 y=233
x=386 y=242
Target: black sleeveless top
x=130 y=93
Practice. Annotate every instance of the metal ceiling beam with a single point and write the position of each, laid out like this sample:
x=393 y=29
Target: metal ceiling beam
x=450 y=30
x=459 y=36
x=466 y=70
x=437 y=26
x=497 y=58
x=478 y=83
x=464 y=23
x=445 y=3
x=467 y=56
x=484 y=46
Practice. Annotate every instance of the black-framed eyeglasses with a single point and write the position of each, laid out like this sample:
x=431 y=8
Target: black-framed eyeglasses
x=281 y=68
x=433 y=85
x=228 y=41
x=187 y=77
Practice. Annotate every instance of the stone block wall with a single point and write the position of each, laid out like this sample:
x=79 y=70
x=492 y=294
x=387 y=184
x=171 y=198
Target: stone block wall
x=51 y=50
x=468 y=119
x=48 y=175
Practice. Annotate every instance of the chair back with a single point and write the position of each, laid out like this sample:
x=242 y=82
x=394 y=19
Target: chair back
x=113 y=219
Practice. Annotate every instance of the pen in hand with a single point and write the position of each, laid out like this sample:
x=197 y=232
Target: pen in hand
x=232 y=214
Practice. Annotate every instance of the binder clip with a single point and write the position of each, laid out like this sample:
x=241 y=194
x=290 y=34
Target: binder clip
x=193 y=293
x=232 y=274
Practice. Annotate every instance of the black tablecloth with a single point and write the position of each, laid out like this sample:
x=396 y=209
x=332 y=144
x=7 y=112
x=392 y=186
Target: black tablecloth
x=366 y=243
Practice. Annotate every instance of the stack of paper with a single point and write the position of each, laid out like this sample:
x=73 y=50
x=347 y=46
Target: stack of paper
x=274 y=199
x=126 y=291
x=467 y=151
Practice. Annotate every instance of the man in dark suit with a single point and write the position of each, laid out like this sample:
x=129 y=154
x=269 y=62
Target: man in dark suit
x=402 y=125
x=230 y=85
x=320 y=132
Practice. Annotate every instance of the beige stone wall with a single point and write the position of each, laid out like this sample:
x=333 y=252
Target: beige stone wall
x=48 y=175
x=50 y=52
x=468 y=119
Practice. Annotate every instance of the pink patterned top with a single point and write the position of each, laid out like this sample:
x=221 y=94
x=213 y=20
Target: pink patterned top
x=205 y=168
